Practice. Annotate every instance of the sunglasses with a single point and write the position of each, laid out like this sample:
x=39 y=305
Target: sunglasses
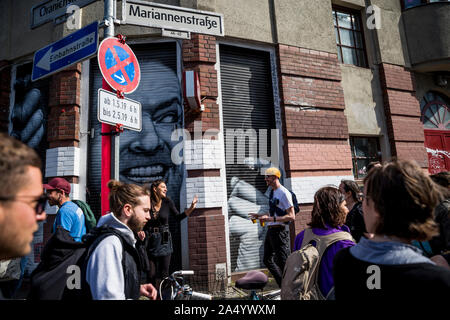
x=40 y=202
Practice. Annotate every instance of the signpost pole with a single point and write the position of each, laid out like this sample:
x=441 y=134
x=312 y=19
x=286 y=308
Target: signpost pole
x=107 y=165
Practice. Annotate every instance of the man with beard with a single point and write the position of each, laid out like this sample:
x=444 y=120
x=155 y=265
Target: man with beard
x=114 y=267
x=21 y=197
x=69 y=215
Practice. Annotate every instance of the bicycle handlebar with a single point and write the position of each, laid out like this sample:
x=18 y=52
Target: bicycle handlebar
x=200 y=296
x=182 y=273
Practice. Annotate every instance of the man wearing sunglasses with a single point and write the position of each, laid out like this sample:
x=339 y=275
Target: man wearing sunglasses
x=69 y=215
x=21 y=197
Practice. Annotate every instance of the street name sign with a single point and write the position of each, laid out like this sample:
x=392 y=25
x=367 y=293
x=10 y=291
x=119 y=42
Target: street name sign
x=52 y=9
x=119 y=65
x=175 y=34
x=114 y=110
x=155 y=15
x=77 y=46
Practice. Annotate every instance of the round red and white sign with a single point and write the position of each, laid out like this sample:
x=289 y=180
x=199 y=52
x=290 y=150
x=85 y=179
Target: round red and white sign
x=118 y=65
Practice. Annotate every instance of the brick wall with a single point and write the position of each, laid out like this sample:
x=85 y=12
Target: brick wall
x=206 y=226
x=63 y=133
x=316 y=149
x=402 y=110
x=199 y=54
x=5 y=91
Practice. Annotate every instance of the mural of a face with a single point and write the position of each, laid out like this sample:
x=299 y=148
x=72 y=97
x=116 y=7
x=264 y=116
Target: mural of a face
x=146 y=156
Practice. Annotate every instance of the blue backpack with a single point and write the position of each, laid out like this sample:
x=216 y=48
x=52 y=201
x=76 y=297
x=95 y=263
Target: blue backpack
x=274 y=208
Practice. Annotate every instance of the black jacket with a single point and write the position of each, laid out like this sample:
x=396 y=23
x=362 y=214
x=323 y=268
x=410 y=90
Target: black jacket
x=49 y=279
x=355 y=221
x=353 y=279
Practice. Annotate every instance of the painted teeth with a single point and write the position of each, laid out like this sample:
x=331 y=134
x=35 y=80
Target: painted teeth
x=142 y=180
x=146 y=171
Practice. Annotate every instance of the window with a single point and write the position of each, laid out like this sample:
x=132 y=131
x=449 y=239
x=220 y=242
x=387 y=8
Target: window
x=349 y=37
x=435 y=111
x=364 y=151
x=406 y=4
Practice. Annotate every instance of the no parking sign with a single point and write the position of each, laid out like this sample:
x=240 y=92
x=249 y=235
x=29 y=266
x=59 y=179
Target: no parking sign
x=118 y=65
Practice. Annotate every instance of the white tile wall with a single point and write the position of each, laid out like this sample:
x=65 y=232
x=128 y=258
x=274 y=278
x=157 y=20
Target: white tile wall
x=208 y=189
x=203 y=154
x=63 y=161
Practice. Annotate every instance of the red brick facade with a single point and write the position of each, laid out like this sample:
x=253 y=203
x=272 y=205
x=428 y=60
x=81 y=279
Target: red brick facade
x=402 y=110
x=206 y=227
x=315 y=126
x=64 y=108
x=199 y=54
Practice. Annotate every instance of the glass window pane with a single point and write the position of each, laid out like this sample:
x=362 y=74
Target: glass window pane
x=366 y=147
x=337 y=36
x=412 y=3
x=339 y=54
x=359 y=40
x=334 y=17
x=362 y=167
x=347 y=37
x=361 y=58
x=356 y=24
x=349 y=56
x=344 y=20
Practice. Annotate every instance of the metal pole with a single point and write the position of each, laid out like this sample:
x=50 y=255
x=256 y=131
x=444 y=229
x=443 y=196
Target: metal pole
x=108 y=166
x=110 y=9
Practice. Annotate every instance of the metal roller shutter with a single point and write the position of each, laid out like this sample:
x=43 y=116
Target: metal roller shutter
x=247 y=99
x=158 y=63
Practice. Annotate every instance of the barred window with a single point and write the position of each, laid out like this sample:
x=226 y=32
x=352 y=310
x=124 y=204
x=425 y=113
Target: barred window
x=364 y=151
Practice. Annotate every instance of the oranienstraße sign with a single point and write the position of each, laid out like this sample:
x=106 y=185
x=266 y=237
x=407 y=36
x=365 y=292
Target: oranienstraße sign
x=155 y=15
x=52 y=9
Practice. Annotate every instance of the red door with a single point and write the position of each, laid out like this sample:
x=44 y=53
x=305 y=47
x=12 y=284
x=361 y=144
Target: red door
x=438 y=148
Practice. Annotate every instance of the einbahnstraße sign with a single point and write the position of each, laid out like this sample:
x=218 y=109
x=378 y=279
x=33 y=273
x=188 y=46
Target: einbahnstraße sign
x=148 y=14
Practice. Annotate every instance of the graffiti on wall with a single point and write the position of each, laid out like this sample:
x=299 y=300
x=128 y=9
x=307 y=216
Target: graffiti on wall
x=436 y=161
x=28 y=124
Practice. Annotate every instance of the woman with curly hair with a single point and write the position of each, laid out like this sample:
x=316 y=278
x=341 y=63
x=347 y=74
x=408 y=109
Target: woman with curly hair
x=327 y=218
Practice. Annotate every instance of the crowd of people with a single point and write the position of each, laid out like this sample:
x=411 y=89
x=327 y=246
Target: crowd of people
x=372 y=243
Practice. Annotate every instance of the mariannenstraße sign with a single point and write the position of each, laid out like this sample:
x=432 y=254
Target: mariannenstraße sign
x=156 y=15
x=52 y=9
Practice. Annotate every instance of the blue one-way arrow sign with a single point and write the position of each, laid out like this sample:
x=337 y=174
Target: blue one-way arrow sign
x=75 y=47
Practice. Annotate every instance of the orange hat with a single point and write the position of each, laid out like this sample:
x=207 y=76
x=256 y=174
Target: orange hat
x=273 y=172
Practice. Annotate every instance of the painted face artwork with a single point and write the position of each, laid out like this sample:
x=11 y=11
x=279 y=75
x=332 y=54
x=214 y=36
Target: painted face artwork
x=145 y=156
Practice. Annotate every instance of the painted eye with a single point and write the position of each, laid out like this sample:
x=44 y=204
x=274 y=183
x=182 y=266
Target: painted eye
x=168 y=118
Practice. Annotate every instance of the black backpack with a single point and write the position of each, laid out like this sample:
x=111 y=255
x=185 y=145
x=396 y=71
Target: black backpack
x=49 y=281
x=274 y=208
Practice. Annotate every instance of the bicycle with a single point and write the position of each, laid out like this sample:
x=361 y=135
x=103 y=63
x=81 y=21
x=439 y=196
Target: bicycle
x=179 y=290
x=257 y=280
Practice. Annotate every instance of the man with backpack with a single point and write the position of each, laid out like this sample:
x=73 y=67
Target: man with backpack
x=106 y=265
x=276 y=245
x=69 y=215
